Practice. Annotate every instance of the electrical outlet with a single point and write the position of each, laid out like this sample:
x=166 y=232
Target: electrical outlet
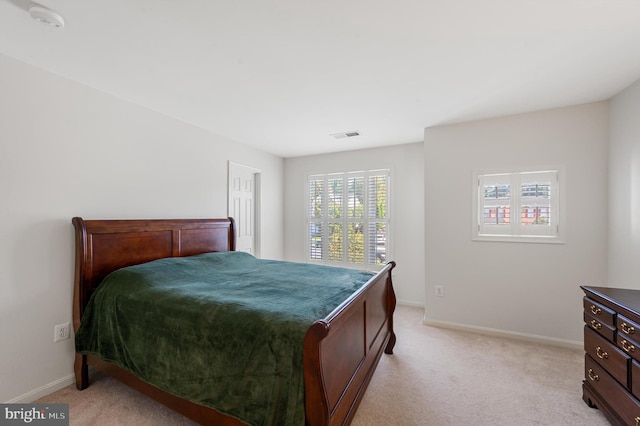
x=61 y=332
x=440 y=291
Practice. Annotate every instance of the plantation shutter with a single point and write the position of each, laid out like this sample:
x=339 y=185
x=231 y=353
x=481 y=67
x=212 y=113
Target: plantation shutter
x=348 y=217
x=495 y=204
x=524 y=204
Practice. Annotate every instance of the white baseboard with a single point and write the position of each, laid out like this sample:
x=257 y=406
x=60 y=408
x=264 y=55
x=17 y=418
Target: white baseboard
x=570 y=344
x=43 y=391
x=409 y=303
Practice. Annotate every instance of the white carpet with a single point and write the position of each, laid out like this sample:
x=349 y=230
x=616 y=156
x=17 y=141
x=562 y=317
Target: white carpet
x=436 y=377
x=445 y=377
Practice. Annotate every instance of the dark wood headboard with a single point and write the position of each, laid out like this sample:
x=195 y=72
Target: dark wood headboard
x=102 y=246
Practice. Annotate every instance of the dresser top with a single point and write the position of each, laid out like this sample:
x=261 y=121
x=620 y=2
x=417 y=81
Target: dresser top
x=619 y=297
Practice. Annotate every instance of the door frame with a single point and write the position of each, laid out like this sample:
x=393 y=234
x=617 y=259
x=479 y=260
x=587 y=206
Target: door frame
x=257 y=201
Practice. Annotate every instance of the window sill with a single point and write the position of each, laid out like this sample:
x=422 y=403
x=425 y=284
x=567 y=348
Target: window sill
x=535 y=239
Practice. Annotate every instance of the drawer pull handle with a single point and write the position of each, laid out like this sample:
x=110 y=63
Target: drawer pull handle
x=637 y=419
x=595 y=325
x=595 y=310
x=628 y=347
x=601 y=354
x=628 y=329
x=594 y=377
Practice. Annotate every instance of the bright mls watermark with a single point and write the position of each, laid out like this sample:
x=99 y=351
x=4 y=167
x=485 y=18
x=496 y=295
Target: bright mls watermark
x=34 y=414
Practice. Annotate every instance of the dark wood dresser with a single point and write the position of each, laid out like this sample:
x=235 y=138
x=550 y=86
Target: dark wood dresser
x=612 y=358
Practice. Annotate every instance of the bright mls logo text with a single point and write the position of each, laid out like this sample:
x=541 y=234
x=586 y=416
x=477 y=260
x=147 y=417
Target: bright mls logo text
x=40 y=414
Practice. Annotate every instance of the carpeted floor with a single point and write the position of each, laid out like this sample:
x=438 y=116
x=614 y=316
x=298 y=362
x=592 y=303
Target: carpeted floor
x=436 y=377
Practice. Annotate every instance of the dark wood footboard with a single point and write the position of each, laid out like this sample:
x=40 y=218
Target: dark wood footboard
x=341 y=351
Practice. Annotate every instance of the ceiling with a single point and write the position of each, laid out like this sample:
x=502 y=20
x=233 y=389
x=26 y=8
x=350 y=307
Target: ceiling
x=282 y=75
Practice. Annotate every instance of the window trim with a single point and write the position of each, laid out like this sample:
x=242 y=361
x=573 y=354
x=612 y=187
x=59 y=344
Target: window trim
x=346 y=220
x=558 y=237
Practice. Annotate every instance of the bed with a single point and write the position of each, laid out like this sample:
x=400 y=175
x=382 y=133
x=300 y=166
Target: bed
x=340 y=351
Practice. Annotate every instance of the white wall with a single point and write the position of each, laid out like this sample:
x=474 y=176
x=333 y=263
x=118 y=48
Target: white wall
x=67 y=150
x=624 y=189
x=525 y=288
x=407 y=202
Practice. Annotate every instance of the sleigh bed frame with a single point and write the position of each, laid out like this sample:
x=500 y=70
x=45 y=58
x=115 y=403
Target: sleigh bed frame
x=340 y=352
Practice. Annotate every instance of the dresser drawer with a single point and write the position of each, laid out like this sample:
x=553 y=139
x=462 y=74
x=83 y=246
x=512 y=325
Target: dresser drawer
x=605 y=353
x=629 y=346
x=635 y=378
x=623 y=403
x=604 y=329
x=600 y=312
x=627 y=327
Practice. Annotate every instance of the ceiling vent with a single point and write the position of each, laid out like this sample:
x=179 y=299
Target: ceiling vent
x=45 y=15
x=345 y=134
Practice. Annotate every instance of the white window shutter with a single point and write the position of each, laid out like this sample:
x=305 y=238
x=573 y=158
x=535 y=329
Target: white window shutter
x=517 y=206
x=348 y=218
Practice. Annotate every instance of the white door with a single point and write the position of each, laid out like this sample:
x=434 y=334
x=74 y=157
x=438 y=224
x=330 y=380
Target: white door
x=244 y=206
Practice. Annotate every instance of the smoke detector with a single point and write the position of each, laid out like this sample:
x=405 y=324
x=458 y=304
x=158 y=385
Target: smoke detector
x=45 y=15
x=345 y=134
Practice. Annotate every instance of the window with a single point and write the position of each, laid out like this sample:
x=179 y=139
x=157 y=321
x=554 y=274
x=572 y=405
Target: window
x=348 y=218
x=521 y=206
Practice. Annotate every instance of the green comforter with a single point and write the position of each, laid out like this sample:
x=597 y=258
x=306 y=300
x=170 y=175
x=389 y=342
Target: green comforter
x=225 y=330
